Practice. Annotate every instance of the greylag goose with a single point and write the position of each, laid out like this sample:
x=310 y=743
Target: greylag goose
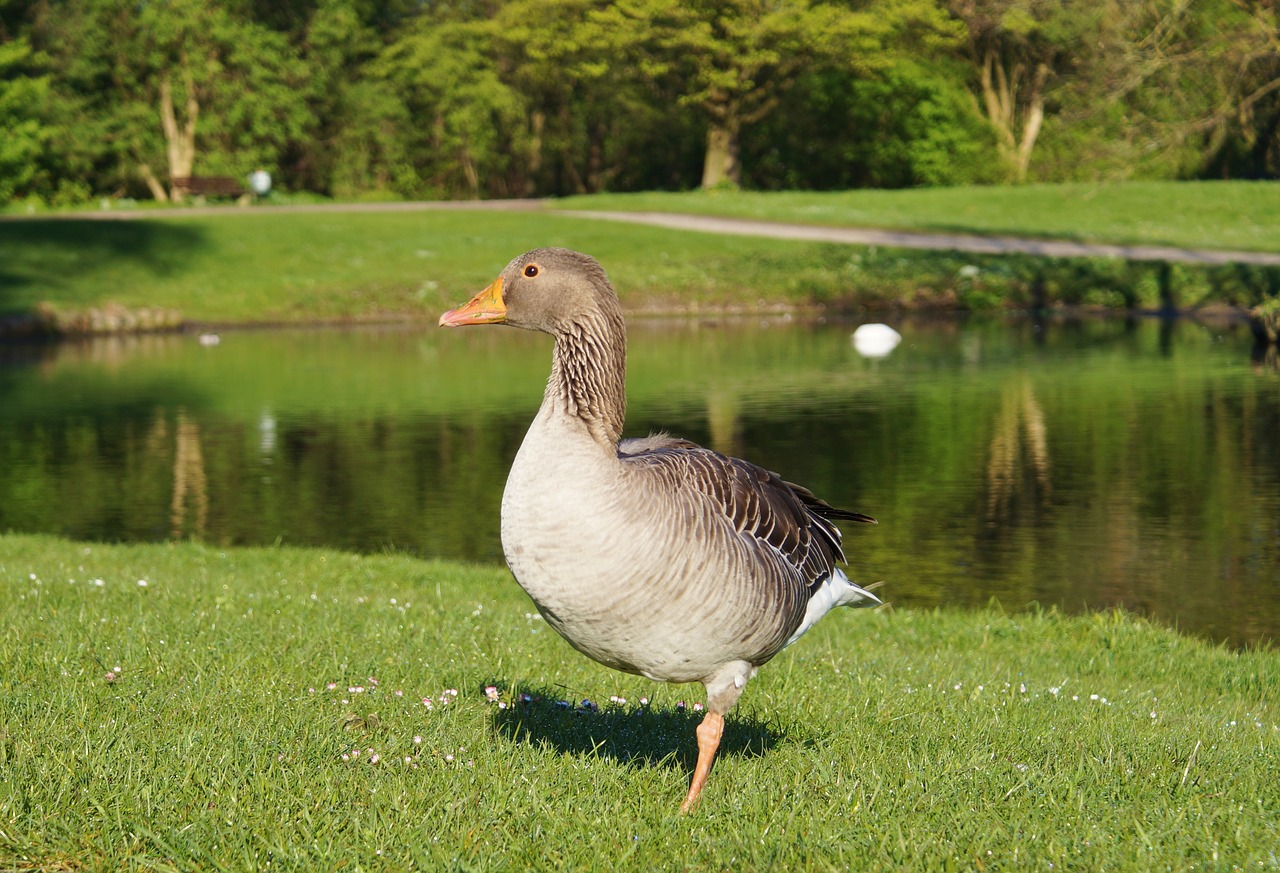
x=653 y=556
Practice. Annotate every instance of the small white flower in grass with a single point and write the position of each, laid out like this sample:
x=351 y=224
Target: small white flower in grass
x=373 y=759
x=697 y=707
x=449 y=758
x=398 y=693
x=417 y=740
x=491 y=692
x=111 y=676
x=426 y=701
x=1022 y=689
x=332 y=686
x=644 y=701
x=346 y=757
x=98 y=583
x=142 y=583
x=1093 y=697
x=32 y=576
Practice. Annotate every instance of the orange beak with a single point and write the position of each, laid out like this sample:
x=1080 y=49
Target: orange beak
x=486 y=307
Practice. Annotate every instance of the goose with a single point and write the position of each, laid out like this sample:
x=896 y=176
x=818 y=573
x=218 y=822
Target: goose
x=653 y=556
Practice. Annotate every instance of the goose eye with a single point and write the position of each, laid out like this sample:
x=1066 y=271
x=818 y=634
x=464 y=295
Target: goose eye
x=531 y=270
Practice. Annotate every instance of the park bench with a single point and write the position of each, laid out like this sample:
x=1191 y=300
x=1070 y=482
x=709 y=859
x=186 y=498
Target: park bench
x=208 y=186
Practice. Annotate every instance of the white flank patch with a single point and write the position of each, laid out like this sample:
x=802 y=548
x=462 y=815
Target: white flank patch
x=835 y=591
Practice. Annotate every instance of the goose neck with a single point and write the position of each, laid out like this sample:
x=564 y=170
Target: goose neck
x=588 y=375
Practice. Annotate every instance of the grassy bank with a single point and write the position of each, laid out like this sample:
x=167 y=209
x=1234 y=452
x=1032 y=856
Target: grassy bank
x=264 y=266
x=1217 y=215
x=179 y=706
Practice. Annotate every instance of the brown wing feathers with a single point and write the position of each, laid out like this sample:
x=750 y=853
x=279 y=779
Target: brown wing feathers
x=758 y=503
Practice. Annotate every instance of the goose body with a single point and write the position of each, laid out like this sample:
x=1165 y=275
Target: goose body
x=652 y=556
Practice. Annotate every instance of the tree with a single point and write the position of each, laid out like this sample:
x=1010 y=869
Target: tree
x=357 y=138
x=173 y=87
x=1172 y=89
x=1020 y=50
x=737 y=58
x=468 y=137
x=23 y=131
x=589 y=104
x=910 y=125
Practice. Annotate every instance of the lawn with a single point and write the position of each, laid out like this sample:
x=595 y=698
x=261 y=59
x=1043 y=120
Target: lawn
x=256 y=266
x=1216 y=215
x=185 y=707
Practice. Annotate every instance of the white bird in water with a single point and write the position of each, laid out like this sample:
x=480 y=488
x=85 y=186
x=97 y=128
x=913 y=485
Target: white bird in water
x=875 y=340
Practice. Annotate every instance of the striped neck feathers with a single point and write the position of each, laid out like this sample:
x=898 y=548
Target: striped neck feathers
x=589 y=373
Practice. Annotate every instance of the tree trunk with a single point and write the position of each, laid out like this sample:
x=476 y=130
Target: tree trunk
x=153 y=184
x=179 y=137
x=1000 y=98
x=469 y=171
x=537 y=124
x=1030 y=131
x=721 y=165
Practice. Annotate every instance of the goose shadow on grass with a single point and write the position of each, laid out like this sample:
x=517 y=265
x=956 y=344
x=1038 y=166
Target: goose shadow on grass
x=633 y=734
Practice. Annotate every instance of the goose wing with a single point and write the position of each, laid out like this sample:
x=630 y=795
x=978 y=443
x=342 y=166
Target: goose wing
x=777 y=516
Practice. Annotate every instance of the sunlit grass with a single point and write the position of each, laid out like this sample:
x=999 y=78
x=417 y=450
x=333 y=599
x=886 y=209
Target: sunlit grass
x=1214 y=215
x=264 y=266
x=181 y=706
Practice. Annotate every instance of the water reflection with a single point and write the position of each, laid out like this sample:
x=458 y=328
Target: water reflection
x=1084 y=464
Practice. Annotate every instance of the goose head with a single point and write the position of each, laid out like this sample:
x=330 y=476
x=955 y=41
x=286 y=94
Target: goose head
x=548 y=289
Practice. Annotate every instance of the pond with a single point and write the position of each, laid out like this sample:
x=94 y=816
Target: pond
x=1076 y=464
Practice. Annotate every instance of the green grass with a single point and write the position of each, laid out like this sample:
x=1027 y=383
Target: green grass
x=268 y=266
x=1216 y=215
x=889 y=740
x=264 y=266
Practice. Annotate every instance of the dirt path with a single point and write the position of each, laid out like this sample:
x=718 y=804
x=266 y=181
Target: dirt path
x=975 y=243
x=919 y=240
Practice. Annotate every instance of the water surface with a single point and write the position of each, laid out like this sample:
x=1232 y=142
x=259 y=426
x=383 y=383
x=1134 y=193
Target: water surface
x=1080 y=465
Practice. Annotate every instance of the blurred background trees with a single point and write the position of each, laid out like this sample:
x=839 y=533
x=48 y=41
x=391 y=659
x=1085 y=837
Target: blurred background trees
x=486 y=98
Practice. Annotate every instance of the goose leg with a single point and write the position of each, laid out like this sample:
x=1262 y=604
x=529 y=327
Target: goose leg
x=709 y=732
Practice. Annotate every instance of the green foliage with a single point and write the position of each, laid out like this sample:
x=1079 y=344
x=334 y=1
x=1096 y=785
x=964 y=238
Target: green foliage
x=905 y=126
x=22 y=119
x=359 y=128
x=468 y=122
x=353 y=98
